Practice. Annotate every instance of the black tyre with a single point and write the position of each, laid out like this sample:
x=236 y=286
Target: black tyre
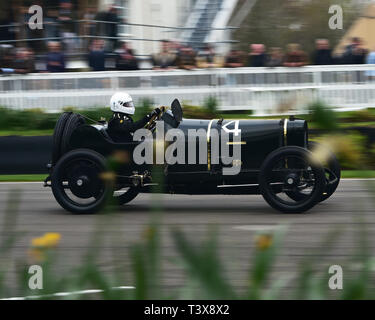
x=78 y=182
x=332 y=172
x=291 y=169
x=73 y=122
x=126 y=195
x=57 y=135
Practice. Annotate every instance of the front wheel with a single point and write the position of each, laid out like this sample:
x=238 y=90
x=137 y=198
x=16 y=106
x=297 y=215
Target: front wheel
x=79 y=182
x=332 y=171
x=291 y=169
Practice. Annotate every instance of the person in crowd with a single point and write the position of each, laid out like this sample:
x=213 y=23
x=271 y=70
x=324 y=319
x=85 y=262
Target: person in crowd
x=187 y=58
x=8 y=32
x=276 y=58
x=13 y=60
x=55 y=58
x=50 y=24
x=234 y=59
x=207 y=58
x=323 y=53
x=257 y=56
x=112 y=27
x=166 y=58
x=355 y=53
x=66 y=16
x=6 y=59
x=88 y=27
x=6 y=55
x=100 y=28
x=24 y=61
x=295 y=57
x=67 y=26
x=97 y=55
x=125 y=59
x=371 y=60
x=175 y=48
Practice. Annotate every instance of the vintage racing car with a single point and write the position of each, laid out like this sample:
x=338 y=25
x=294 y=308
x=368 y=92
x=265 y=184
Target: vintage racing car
x=276 y=162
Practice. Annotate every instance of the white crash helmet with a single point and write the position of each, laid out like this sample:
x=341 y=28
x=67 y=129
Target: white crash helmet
x=122 y=102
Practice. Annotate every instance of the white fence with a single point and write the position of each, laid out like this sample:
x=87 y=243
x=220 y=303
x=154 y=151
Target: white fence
x=262 y=90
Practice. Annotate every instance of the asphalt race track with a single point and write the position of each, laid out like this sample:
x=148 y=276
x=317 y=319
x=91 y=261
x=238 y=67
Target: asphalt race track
x=237 y=219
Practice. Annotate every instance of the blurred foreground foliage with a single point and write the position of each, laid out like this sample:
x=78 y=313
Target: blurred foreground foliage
x=350 y=149
x=352 y=146
x=323 y=117
x=200 y=262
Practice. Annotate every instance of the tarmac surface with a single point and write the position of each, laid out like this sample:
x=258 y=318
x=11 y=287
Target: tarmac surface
x=237 y=221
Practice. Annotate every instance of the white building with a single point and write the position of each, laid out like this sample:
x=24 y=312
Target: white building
x=170 y=13
x=203 y=20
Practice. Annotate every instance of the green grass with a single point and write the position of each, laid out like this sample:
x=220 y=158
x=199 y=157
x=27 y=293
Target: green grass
x=26 y=132
x=368 y=124
x=41 y=177
x=23 y=178
x=358 y=174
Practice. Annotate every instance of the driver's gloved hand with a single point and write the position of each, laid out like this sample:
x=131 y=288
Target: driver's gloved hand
x=155 y=112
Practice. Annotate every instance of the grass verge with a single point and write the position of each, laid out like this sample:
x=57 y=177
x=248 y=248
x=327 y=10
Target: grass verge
x=26 y=133
x=358 y=174
x=23 y=177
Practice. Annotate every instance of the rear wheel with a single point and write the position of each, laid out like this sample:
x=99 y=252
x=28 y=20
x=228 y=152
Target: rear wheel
x=73 y=122
x=57 y=136
x=78 y=182
x=291 y=169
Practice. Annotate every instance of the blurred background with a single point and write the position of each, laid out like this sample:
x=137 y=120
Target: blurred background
x=221 y=58
x=250 y=55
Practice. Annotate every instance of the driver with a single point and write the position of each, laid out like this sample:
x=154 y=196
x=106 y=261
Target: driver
x=121 y=126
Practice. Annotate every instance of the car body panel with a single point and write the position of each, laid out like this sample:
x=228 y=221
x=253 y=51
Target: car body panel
x=258 y=139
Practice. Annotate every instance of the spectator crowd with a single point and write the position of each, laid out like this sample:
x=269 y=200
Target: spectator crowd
x=100 y=42
x=174 y=55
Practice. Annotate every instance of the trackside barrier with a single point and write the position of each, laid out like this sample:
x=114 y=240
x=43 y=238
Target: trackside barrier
x=262 y=90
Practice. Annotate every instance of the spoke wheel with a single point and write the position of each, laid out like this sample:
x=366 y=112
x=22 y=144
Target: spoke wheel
x=291 y=169
x=77 y=182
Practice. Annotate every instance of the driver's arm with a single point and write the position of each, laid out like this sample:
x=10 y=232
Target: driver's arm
x=124 y=128
x=141 y=123
x=134 y=126
x=128 y=126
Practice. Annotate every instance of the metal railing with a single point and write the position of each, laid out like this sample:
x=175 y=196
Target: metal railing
x=262 y=90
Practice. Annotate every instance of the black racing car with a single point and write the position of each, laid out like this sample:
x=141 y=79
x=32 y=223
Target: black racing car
x=88 y=168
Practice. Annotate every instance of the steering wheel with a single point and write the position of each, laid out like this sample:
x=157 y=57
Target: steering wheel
x=151 y=124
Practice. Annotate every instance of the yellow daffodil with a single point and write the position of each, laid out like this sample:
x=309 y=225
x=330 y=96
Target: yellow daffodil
x=40 y=245
x=48 y=240
x=52 y=239
x=264 y=241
